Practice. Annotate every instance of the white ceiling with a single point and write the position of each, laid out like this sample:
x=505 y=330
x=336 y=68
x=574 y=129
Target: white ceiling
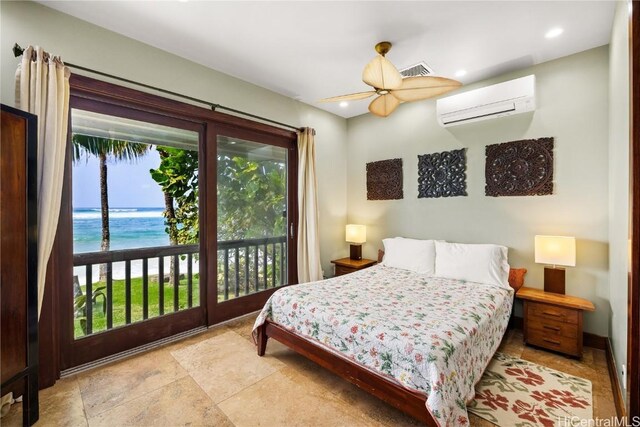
x=313 y=50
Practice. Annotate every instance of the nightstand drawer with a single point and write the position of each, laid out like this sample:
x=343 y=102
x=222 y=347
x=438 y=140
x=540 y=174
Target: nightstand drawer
x=552 y=328
x=552 y=312
x=348 y=265
x=553 y=342
x=553 y=321
x=340 y=270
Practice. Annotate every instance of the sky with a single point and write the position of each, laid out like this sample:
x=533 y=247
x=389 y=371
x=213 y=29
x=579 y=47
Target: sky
x=129 y=183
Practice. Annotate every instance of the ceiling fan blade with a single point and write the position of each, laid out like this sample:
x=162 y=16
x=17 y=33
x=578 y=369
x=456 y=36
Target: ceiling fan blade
x=409 y=95
x=427 y=82
x=384 y=105
x=417 y=88
x=350 y=97
x=381 y=74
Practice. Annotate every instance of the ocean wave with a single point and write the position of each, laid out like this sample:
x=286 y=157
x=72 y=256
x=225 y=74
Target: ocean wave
x=119 y=213
x=116 y=210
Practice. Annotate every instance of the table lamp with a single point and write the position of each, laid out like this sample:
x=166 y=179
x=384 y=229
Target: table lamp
x=356 y=235
x=555 y=251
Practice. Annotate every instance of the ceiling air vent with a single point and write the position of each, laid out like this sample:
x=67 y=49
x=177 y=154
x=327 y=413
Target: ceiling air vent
x=417 y=70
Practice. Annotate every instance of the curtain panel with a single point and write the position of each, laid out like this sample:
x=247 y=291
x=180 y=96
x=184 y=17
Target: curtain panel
x=42 y=88
x=309 y=267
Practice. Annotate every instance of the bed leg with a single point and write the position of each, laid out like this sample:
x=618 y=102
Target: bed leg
x=262 y=339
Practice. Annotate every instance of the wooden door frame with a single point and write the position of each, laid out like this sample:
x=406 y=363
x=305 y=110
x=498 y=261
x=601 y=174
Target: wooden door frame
x=60 y=265
x=633 y=338
x=220 y=311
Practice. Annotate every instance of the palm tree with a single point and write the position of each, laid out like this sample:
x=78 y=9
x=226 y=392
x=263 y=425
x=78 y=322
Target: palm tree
x=172 y=226
x=103 y=148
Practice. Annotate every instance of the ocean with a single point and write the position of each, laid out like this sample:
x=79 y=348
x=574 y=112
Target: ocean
x=130 y=228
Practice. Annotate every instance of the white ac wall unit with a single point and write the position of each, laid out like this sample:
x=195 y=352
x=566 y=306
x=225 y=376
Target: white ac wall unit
x=500 y=100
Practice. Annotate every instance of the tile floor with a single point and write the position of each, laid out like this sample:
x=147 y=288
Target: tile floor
x=215 y=378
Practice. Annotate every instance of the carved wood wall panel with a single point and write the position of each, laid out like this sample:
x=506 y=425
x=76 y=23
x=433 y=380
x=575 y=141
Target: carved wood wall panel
x=384 y=180
x=519 y=168
x=442 y=174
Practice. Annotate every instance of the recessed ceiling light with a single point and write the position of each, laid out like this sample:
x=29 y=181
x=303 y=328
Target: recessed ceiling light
x=461 y=73
x=232 y=142
x=344 y=104
x=554 y=32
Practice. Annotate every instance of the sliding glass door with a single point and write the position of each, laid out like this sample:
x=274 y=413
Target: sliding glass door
x=173 y=218
x=256 y=220
x=135 y=202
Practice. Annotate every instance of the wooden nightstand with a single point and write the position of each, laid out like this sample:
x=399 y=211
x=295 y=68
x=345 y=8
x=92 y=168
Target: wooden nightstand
x=348 y=265
x=553 y=321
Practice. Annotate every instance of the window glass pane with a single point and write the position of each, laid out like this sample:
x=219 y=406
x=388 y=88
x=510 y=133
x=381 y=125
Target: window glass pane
x=252 y=217
x=135 y=194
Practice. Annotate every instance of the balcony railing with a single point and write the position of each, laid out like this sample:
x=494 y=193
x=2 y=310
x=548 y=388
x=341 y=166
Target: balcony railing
x=144 y=256
x=244 y=267
x=248 y=266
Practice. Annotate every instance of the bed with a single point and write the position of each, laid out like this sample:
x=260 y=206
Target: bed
x=420 y=343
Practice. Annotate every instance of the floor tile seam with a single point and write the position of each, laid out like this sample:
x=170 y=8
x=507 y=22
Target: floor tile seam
x=84 y=408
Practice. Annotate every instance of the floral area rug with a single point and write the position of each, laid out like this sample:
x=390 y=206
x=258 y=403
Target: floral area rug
x=514 y=392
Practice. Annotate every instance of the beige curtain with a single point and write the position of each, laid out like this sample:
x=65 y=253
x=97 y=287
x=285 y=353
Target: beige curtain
x=309 y=267
x=42 y=88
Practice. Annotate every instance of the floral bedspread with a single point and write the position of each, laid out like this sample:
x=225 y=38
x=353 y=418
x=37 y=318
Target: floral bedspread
x=430 y=334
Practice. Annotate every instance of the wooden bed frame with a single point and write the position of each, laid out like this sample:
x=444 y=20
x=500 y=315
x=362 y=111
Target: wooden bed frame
x=410 y=402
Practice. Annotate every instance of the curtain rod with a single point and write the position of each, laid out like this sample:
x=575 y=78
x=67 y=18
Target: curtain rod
x=18 y=51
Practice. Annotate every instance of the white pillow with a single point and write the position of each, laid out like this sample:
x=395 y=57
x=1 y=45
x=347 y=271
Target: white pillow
x=410 y=254
x=474 y=263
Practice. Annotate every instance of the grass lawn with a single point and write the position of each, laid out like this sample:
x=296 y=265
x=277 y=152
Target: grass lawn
x=100 y=319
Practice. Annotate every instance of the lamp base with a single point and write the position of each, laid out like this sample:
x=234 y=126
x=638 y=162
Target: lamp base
x=355 y=252
x=554 y=280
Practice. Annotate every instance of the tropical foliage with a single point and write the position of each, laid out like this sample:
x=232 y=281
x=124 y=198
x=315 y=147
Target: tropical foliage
x=119 y=150
x=80 y=306
x=251 y=204
x=177 y=176
x=251 y=198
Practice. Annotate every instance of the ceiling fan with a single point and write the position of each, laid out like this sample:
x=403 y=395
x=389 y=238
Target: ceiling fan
x=392 y=88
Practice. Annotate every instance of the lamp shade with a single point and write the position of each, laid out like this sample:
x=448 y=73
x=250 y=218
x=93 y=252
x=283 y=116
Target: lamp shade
x=555 y=250
x=356 y=233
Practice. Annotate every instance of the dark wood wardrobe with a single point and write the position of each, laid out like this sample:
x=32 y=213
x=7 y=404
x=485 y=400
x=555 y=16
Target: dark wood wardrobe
x=19 y=259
